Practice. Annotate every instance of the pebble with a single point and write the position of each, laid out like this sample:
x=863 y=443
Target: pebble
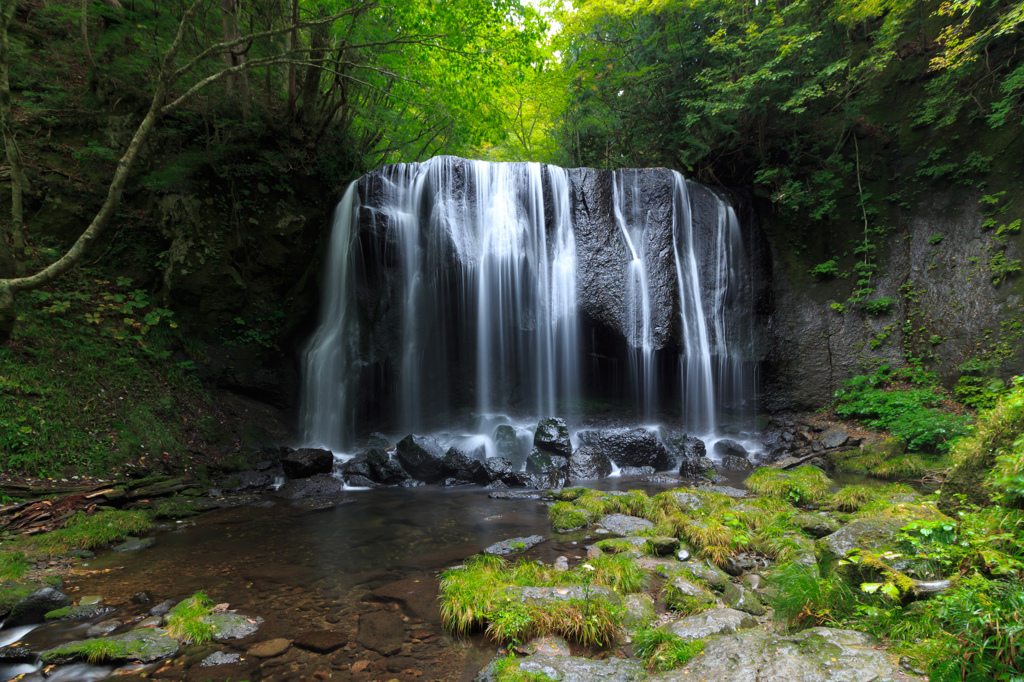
x=219 y=658
x=360 y=666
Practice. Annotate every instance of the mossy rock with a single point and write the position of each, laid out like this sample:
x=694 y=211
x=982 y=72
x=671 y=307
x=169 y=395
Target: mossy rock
x=11 y=593
x=143 y=646
x=709 y=575
x=814 y=524
x=640 y=611
x=876 y=534
x=687 y=597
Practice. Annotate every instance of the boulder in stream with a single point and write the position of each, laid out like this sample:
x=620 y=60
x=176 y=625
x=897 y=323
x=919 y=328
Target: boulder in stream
x=552 y=436
x=422 y=457
x=712 y=622
x=142 y=646
x=633 y=447
x=588 y=463
x=33 y=608
x=307 y=462
x=727 y=446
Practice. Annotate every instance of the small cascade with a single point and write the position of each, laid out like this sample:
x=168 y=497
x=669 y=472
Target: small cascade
x=695 y=363
x=631 y=217
x=466 y=292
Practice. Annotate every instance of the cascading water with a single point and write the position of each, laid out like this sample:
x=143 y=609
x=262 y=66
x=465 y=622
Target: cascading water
x=631 y=217
x=458 y=288
x=695 y=364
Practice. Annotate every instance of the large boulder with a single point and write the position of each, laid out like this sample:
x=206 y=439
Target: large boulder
x=462 y=467
x=698 y=468
x=727 y=446
x=876 y=534
x=587 y=463
x=32 y=608
x=307 y=462
x=571 y=669
x=815 y=655
x=422 y=457
x=357 y=472
x=622 y=524
x=633 y=447
x=383 y=469
x=314 y=486
x=552 y=435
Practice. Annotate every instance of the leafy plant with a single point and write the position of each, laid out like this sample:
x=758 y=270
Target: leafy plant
x=826 y=270
x=879 y=306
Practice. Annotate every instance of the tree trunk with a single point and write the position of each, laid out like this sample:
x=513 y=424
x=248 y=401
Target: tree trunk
x=237 y=83
x=318 y=35
x=8 y=316
x=293 y=45
x=19 y=183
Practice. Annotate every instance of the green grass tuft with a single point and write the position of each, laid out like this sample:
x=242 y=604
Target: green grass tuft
x=97 y=530
x=799 y=486
x=805 y=599
x=13 y=565
x=507 y=670
x=852 y=498
x=187 y=620
x=664 y=650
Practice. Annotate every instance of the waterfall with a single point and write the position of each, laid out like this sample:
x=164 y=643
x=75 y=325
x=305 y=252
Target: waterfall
x=695 y=364
x=459 y=290
x=631 y=217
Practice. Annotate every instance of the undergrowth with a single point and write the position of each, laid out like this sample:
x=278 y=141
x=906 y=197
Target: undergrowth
x=87 y=381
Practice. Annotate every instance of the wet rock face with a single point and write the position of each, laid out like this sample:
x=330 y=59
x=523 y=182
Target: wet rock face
x=632 y=448
x=383 y=469
x=813 y=349
x=815 y=655
x=712 y=622
x=462 y=467
x=307 y=462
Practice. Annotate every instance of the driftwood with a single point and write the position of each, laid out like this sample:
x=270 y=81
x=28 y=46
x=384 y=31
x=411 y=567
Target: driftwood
x=806 y=458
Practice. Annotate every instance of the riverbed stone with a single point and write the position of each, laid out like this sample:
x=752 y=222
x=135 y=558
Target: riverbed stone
x=381 y=631
x=814 y=655
x=497 y=468
x=572 y=669
x=233 y=625
x=104 y=627
x=622 y=524
x=636 y=471
x=269 y=648
x=711 y=622
x=700 y=468
x=743 y=600
x=321 y=641
x=33 y=608
x=131 y=544
x=587 y=463
x=726 y=490
x=514 y=545
x=416 y=594
x=681 y=587
x=17 y=653
x=307 y=462
x=143 y=646
x=552 y=436
x=422 y=457
x=219 y=658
